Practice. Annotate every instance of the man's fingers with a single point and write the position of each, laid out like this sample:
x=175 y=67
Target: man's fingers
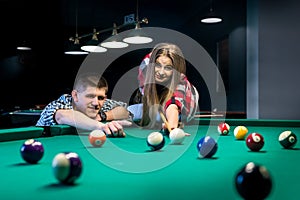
x=106 y=130
x=124 y=122
x=116 y=129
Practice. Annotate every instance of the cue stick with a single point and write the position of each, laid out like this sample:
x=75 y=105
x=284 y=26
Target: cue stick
x=165 y=121
x=212 y=115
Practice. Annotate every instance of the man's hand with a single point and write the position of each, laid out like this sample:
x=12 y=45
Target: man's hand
x=115 y=128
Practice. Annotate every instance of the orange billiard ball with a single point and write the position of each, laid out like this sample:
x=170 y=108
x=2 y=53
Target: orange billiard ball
x=97 y=138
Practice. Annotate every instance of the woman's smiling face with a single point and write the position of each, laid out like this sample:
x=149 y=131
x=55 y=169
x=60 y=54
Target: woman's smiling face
x=163 y=69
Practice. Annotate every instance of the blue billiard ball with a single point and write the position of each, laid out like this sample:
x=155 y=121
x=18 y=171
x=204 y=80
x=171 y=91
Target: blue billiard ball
x=32 y=151
x=67 y=167
x=207 y=147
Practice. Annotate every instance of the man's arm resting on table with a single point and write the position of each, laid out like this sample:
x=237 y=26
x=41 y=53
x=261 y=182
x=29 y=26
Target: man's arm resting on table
x=76 y=119
x=117 y=113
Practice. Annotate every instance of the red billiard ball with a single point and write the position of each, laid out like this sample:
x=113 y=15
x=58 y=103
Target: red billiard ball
x=223 y=128
x=67 y=167
x=32 y=151
x=255 y=141
x=253 y=181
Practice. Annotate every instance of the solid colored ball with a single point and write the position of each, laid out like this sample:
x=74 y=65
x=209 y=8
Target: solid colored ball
x=155 y=141
x=255 y=141
x=240 y=132
x=223 y=128
x=207 y=147
x=67 y=167
x=253 y=181
x=32 y=151
x=97 y=138
x=177 y=136
x=287 y=139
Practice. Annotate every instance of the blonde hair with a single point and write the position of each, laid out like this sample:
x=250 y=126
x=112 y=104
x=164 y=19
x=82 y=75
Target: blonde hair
x=152 y=101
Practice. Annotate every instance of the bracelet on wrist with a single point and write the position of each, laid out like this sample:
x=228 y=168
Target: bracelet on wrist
x=103 y=116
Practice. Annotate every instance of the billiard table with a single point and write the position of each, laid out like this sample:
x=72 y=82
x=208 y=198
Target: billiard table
x=125 y=168
x=19 y=118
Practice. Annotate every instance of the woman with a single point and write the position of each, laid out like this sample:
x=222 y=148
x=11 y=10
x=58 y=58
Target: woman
x=165 y=87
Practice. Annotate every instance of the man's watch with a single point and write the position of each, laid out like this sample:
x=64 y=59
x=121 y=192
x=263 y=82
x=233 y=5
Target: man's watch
x=102 y=115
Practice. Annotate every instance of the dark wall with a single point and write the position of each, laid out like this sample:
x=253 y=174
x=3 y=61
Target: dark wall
x=31 y=78
x=278 y=61
x=236 y=93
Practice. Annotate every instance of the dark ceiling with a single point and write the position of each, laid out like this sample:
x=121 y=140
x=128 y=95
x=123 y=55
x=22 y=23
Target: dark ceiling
x=51 y=22
x=48 y=24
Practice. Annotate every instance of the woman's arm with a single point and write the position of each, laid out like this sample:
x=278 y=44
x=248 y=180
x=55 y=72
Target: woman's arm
x=172 y=114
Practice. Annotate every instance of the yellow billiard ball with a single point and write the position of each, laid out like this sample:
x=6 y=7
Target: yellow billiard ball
x=240 y=132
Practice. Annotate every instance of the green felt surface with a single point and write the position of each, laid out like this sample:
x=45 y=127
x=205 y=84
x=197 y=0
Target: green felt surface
x=20 y=133
x=124 y=168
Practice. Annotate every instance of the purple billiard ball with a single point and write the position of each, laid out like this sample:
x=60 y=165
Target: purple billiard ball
x=207 y=147
x=67 y=167
x=32 y=151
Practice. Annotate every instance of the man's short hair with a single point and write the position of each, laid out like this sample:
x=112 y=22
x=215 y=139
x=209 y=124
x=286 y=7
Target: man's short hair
x=90 y=80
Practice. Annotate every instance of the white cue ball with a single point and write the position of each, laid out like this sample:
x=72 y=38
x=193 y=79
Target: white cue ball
x=177 y=136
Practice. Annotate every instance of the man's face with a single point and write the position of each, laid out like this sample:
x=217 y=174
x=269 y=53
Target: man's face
x=89 y=101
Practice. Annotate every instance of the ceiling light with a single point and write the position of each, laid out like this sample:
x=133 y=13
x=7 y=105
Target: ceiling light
x=24 y=46
x=211 y=17
x=137 y=36
x=93 y=44
x=74 y=48
x=114 y=41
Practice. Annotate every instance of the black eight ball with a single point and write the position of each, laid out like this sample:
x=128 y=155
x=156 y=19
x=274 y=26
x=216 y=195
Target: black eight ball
x=253 y=182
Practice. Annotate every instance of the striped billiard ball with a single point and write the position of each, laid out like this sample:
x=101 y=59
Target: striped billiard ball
x=207 y=147
x=223 y=128
x=67 y=167
x=287 y=139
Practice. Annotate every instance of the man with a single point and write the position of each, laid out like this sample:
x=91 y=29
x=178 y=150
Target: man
x=87 y=108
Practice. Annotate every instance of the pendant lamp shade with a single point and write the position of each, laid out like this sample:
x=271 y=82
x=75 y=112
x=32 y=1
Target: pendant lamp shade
x=137 y=36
